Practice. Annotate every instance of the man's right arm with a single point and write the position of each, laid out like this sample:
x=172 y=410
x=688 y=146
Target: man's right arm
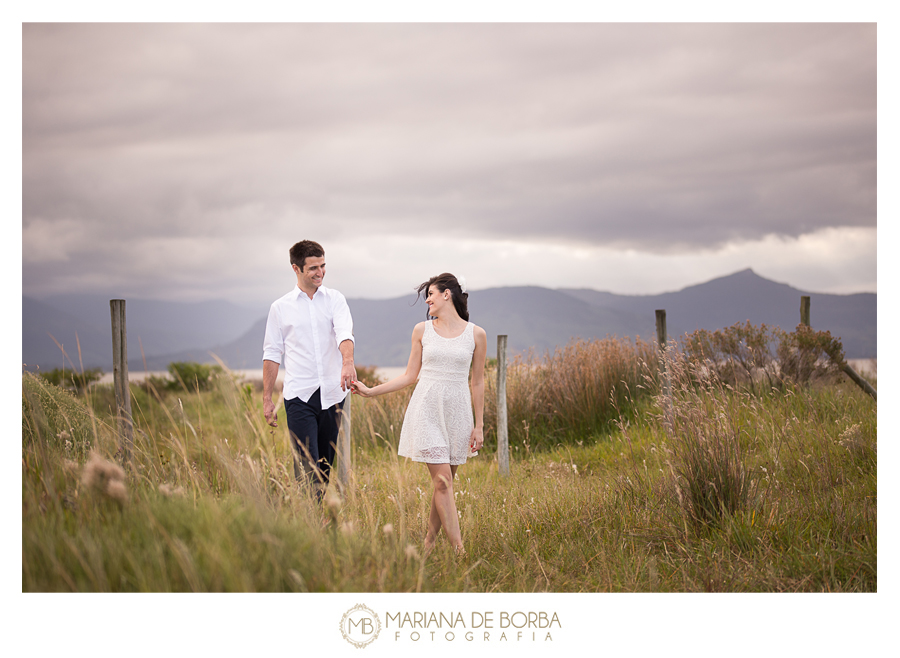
x=273 y=349
x=270 y=374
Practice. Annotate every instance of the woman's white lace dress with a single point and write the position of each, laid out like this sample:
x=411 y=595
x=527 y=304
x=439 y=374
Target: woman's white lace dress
x=438 y=423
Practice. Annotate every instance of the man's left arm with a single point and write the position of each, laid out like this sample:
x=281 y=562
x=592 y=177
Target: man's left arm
x=343 y=333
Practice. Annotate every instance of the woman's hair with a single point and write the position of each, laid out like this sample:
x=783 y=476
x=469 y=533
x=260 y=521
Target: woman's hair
x=442 y=282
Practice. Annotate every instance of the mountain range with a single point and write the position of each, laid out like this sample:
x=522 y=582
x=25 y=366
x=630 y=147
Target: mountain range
x=532 y=318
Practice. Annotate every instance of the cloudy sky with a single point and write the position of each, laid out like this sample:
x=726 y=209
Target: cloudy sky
x=181 y=161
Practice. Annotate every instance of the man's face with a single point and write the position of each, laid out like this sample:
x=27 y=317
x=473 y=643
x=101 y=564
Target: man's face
x=310 y=277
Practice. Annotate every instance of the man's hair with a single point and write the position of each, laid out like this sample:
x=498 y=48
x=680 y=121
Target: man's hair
x=303 y=250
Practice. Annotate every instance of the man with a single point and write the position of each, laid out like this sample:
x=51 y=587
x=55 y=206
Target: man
x=310 y=331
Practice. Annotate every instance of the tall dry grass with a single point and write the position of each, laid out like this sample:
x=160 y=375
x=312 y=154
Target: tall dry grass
x=783 y=477
x=210 y=503
x=574 y=392
x=709 y=425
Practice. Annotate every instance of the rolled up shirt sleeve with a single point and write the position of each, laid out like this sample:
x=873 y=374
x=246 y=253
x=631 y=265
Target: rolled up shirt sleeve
x=343 y=321
x=273 y=345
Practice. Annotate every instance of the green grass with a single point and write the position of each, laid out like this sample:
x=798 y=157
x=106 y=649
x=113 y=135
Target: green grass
x=211 y=504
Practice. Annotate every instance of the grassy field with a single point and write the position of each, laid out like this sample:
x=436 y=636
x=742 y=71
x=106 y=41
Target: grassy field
x=714 y=488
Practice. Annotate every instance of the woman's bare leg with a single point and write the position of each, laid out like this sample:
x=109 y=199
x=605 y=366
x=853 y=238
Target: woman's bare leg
x=434 y=526
x=443 y=507
x=434 y=519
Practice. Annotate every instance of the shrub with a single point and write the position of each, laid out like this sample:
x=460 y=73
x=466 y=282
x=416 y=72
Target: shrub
x=737 y=354
x=808 y=355
x=747 y=354
x=71 y=379
x=192 y=376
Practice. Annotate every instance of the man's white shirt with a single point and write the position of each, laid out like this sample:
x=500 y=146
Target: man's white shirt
x=302 y=335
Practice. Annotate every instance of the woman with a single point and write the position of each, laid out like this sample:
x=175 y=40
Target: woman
x=438 y=428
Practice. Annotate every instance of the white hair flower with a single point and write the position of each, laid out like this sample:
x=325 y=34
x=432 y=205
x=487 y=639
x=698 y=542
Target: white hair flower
x=462 y=282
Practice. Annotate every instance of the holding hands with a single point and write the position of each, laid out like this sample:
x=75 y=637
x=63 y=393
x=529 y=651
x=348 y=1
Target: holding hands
x=361 y=389
x=348 y=375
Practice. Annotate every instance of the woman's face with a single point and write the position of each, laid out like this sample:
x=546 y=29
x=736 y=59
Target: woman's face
x=437 y=301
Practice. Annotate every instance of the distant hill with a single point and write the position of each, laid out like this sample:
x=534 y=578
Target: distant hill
x=746 y=296
x=154 y=327
x=532 y=317
x=42 y=323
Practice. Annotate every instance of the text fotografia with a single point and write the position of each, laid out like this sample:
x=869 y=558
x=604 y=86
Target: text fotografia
x=479 y=626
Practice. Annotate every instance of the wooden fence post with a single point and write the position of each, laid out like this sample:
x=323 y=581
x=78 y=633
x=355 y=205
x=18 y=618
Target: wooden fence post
x=846 y=367
x=661 y=336
x=663 y=339
x=502 y=420
x=120 y=379
x=859 y=381
x=804 y=310
x=344 y=446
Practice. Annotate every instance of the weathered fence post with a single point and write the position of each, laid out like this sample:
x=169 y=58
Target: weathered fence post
x=859 y=381
x=663 y=339
x=120 y=379
x=344 y=446
x=804 y=310
x=502 y=420
x=661 y=336
x=846 y=367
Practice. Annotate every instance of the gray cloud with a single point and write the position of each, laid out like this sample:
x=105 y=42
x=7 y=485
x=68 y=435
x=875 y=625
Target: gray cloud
x=145 y=146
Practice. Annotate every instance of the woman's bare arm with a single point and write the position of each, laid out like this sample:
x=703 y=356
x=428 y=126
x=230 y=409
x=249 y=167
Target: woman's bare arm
x=478 y=359
x=408 y=377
